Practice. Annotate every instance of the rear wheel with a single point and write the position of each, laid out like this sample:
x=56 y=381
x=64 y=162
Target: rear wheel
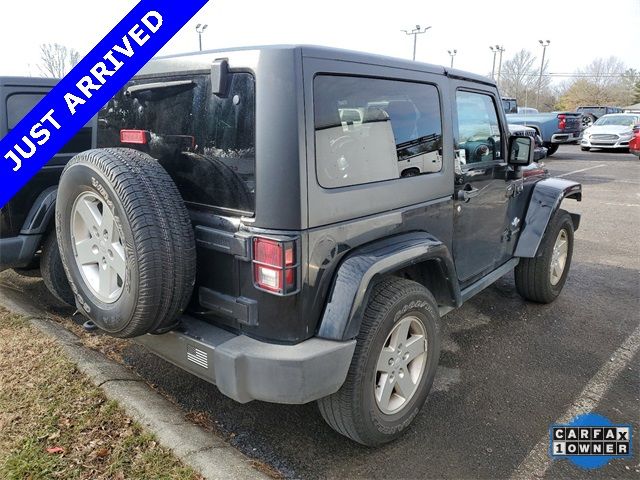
x=542 y=278
x=392 y=368
x=126 y=241
x=53 y=273
x=587 y=120
x=551 y=149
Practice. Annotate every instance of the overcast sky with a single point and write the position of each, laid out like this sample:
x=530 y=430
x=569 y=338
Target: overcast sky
x=579 y=30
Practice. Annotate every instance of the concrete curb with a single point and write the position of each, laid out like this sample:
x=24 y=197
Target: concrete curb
x=203 y=451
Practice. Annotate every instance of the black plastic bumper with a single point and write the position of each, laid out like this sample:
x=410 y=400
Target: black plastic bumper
x=247 y=369
x=16 y=252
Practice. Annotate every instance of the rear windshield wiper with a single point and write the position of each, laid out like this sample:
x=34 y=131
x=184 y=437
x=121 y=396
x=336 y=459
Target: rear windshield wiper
x=159 y=90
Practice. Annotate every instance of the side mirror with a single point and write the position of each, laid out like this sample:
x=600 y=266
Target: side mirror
x=220 y=77
x=521 y=150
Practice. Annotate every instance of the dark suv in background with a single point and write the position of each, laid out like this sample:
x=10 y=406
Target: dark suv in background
x=27 y=236
x=593 y=113
x=292 y=223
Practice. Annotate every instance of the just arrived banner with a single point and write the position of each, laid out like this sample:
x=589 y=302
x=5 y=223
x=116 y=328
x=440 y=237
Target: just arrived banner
x=87 y=88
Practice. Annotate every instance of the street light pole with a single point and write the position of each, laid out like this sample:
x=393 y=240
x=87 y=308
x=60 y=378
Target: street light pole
x=544 y=45
x=493 y=68
x=452 y=53
x=200 y=28
x=501 y=50
x=415 y=32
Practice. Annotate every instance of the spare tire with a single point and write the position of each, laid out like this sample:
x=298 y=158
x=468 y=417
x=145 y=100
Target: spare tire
x=126 y=241
x=588 y=120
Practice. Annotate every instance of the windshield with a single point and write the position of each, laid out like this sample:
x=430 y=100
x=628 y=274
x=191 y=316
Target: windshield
x=205 y=142
x=623 y=120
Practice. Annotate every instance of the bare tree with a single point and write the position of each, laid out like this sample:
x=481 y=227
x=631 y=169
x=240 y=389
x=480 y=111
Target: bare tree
x=519 y=78
x=57 y=60
x=631 y=79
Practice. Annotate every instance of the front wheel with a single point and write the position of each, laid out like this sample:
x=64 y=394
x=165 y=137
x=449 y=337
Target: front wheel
x=542 y=277
x=551 y=149
x=585 y=149
x=393 y=366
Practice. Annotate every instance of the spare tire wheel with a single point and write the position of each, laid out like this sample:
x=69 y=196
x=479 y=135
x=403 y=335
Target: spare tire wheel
x=126 y=241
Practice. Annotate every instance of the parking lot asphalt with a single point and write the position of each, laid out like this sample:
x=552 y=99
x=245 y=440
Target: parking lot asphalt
x=509 y=369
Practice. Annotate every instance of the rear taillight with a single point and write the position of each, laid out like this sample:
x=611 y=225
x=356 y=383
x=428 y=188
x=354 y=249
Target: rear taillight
x=275 y=267
x=562 y=121
x=138 y=137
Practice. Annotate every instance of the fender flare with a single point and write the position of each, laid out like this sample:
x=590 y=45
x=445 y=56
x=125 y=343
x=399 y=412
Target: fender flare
x=19 y=251
x=357 y=274
x=41 y=213
x=544 y=203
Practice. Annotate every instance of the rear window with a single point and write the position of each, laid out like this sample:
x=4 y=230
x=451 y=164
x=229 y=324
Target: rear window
x=20 y=104
x=204 y=141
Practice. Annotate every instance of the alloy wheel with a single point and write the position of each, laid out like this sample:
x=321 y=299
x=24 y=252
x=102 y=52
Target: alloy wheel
x=401 y=365
x=98 y=247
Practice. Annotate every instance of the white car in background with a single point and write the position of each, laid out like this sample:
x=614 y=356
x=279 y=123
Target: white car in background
x=614 y=130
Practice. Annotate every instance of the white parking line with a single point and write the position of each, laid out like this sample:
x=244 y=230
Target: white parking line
x=581 y=170
x=538 y=461
x=622 y=204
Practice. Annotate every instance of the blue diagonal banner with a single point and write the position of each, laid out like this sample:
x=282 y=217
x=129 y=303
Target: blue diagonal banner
x=89 y=86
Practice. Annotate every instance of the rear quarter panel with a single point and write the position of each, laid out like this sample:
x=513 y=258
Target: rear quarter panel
x=341 y=219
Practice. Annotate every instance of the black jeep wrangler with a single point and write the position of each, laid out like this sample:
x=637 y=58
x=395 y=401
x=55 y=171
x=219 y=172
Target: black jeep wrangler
x=27 y=236
x=291 y=223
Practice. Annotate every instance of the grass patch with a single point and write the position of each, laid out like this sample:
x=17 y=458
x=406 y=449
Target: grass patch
x=54 y=424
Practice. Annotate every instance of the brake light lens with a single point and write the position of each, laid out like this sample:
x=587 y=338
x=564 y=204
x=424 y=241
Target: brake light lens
x=138 y=137
x=562 y=121
x=275 y=265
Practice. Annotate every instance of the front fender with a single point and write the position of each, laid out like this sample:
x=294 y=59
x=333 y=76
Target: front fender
x=545 y=201
x=358 y=272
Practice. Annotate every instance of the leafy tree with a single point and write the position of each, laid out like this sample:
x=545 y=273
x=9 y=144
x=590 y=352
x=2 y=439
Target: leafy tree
x=605 y=81
x=57 y=60
x=631 y=78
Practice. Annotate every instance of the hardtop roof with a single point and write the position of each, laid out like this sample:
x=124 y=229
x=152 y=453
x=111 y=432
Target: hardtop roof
x=330 y=53
x=28 y=81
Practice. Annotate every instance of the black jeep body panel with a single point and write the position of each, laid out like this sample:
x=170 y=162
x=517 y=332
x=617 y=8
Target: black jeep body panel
x=361 y=269
x=27 y=216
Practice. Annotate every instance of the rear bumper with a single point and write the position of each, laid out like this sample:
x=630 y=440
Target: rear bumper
x=16 y=252
x=246 y=369
x=566 y=137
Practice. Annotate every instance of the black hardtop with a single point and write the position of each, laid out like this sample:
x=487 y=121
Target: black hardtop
x=28 y=82
x=203 y=59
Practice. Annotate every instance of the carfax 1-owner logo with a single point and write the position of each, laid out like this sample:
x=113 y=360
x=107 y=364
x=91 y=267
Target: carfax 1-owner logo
x=590 y=441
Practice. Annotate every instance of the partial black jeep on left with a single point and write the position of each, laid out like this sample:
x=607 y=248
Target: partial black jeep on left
x=27 y=237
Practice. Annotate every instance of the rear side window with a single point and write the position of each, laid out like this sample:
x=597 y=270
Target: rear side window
x=370 y=130
x=204 y=141
x=20 y=104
